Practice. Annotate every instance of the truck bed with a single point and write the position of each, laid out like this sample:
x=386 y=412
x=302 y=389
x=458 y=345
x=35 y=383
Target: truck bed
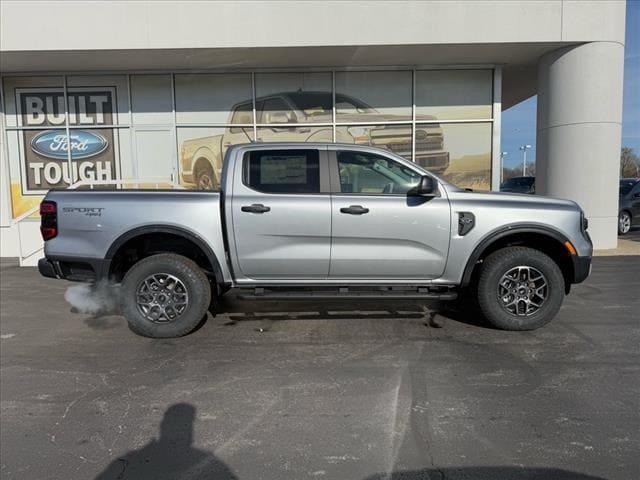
x=91 y=222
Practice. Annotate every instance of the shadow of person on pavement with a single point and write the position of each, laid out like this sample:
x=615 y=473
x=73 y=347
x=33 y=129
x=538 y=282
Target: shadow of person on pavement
x=170 y=457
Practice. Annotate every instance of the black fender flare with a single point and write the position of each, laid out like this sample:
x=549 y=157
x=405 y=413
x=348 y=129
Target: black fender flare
x=503 y=232
x=171 y=229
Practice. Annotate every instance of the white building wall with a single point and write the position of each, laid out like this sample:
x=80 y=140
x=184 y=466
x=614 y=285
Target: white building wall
x=111 y=25
x=579 y=128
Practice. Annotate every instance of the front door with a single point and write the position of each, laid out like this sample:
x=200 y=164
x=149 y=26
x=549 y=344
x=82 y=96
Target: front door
x=281 y=210
x=635 y=202
x=380 y=232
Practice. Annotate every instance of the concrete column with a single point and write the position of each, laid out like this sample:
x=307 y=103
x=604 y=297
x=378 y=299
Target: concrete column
x=579 y=130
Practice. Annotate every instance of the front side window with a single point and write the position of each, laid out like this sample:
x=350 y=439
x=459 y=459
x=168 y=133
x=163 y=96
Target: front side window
x=283 y=171
x=367 y=173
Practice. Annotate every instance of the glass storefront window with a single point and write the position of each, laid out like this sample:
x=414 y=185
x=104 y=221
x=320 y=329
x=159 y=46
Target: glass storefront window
x=151 y=99
x=103 y=94
x=201 y=151
x=34 y=101
x=395 y=138
x=467 y=149
x=454 y=94
x=134 y=126
x=212 y=98
x=373 y=96
x=295 y=134
x=294 y=97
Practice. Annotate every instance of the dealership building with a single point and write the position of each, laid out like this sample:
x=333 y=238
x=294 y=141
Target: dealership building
x=150 y=94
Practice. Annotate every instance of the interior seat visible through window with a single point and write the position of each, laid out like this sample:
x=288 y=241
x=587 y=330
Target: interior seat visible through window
x=367 y=173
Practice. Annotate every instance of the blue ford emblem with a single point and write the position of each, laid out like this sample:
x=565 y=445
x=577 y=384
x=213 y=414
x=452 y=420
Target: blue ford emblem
x=54 y=144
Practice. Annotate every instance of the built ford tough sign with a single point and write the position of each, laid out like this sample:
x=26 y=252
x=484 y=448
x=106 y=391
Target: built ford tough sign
x=315 y=220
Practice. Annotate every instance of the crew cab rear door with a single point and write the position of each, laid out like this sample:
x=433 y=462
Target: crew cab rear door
x=379 y=233
x=281 y=214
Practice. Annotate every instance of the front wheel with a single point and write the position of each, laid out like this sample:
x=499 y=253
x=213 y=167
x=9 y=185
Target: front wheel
x=164 y=296
x=624 y=223
x=520 y=288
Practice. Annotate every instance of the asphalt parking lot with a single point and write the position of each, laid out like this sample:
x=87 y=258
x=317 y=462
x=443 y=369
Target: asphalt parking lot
x=322 y=390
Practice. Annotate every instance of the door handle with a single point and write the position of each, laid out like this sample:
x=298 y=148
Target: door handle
x=255 y=208
x=354 y=210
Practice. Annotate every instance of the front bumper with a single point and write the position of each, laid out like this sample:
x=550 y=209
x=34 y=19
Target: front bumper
x=581 y=268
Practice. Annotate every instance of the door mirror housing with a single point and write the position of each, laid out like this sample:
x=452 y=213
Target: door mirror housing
x=428 y=187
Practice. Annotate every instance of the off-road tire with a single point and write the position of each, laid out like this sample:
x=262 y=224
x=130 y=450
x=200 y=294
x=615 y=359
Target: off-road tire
x=500 y=262
x=192 y=277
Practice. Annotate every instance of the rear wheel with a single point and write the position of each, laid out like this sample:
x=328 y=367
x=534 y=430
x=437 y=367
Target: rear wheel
x=165 y=295
x=624 y=222
x=520 y=288
x=205 y=178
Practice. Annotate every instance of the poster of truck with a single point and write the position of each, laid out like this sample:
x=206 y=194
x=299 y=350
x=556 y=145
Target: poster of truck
x=289 y=116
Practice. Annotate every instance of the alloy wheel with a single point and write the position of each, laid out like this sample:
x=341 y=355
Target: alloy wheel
x=624 y=222
x=162 y=298
x=522 y=291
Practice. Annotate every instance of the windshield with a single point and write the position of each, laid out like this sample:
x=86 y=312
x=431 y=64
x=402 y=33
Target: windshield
x=346 y=105
x=315 y=104
x=626 y=186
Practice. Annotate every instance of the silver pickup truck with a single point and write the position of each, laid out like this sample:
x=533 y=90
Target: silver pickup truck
x=318 y=220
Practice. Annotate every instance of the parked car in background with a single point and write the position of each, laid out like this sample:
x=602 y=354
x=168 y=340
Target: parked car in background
x=519 y=185
x=629 y=206
x=289 y=116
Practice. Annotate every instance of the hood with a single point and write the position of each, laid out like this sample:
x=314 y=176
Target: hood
x=380 y=117
x=514 y=190
x=517 y=199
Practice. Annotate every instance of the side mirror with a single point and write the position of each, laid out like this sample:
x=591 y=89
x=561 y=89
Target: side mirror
x=427 y=187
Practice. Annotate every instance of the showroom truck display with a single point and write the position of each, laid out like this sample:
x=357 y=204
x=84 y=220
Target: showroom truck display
x=317 y=220
x=290 y=116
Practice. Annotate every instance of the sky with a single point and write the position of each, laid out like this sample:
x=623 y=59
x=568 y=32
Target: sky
x=519 y=121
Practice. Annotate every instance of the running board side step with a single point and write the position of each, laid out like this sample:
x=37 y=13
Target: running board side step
x=390 y=293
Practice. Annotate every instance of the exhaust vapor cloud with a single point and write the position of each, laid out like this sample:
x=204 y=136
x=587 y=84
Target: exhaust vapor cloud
x=101 y=298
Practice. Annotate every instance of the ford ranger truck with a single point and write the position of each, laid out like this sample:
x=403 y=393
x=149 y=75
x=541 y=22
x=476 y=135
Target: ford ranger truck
x=320 y=221
x=281 y=116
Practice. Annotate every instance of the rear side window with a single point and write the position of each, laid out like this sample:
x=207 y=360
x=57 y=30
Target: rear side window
x=283 y=171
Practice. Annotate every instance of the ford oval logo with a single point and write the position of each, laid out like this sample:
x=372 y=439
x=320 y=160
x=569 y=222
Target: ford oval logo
x=54 y=144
